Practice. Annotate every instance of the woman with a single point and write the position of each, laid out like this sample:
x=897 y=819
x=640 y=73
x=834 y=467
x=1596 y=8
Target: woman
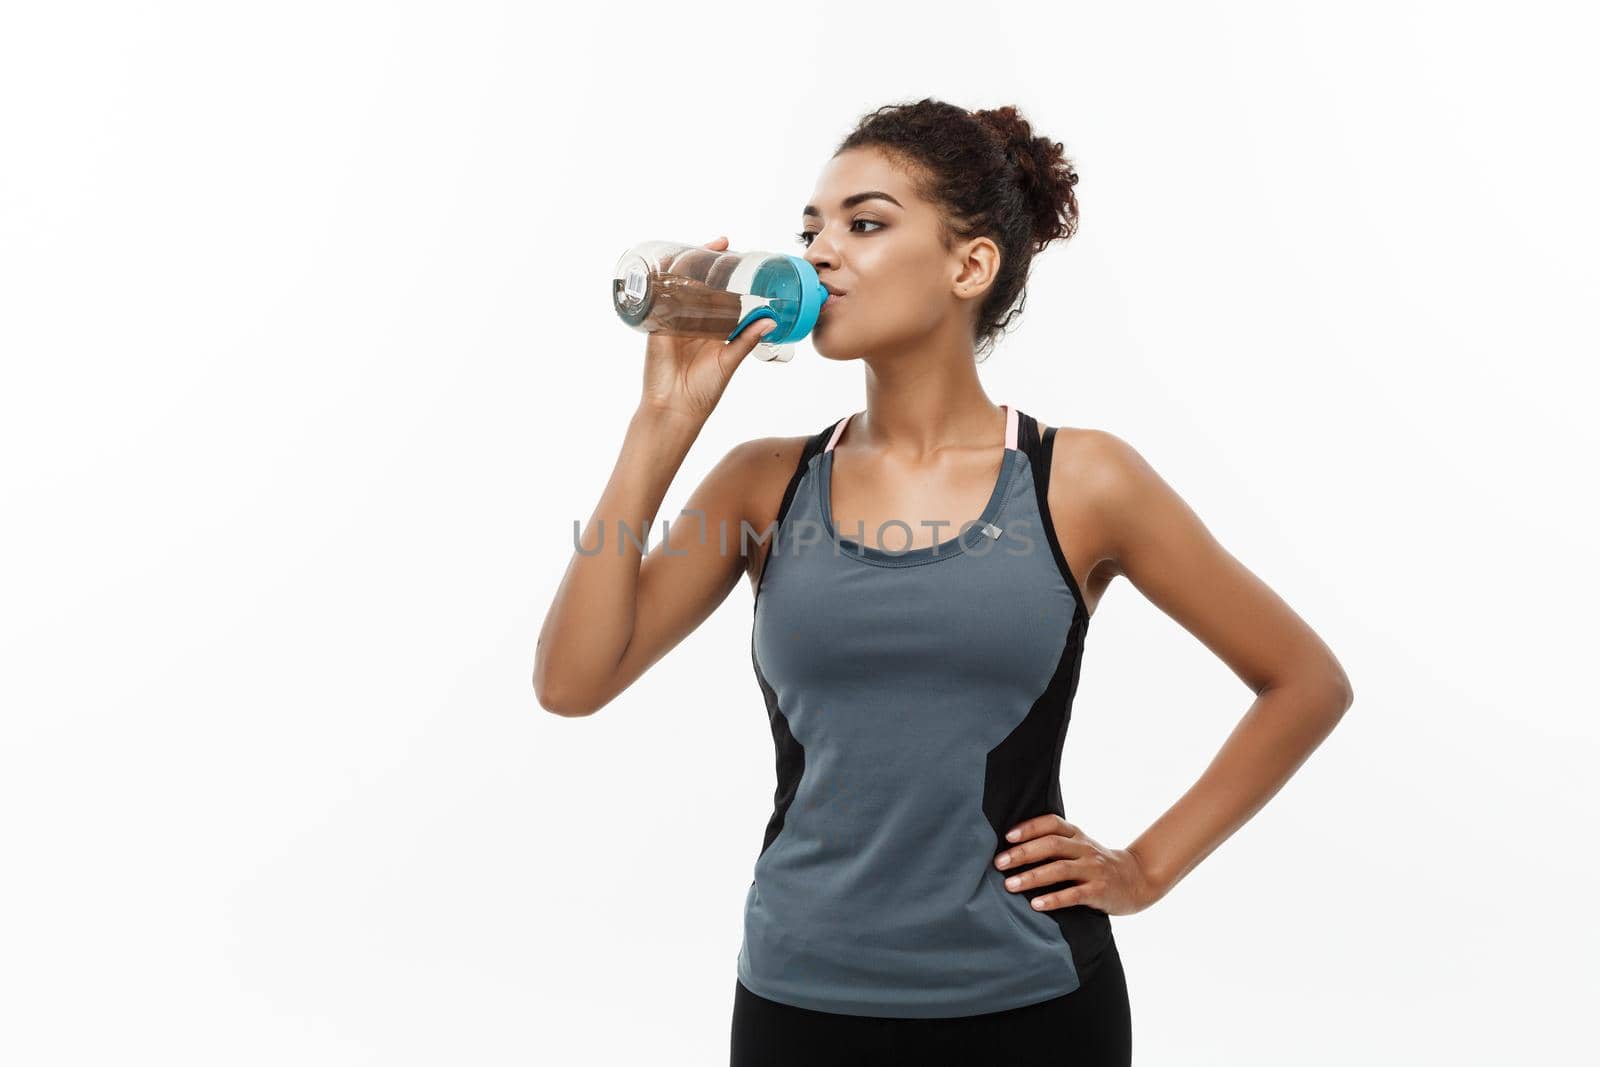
x=920 y=895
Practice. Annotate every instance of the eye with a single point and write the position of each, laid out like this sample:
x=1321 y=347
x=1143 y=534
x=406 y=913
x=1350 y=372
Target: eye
x=803 y=234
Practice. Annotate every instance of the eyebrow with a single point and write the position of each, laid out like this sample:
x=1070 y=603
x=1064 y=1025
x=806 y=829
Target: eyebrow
x=851 y=201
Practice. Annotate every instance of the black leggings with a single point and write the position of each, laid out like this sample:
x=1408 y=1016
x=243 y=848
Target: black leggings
x=1089 y=1027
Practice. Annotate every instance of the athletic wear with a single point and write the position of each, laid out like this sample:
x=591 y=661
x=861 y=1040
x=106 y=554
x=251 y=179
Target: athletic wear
x=919 y=703
x=1091 y=1027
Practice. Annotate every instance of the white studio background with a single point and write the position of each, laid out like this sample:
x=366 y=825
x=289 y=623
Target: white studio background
x=309 y=369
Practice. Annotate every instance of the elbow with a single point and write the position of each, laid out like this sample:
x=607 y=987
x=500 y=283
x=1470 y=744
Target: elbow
x=553 y=695
x=559 y=701
x=1343 y=693
x=565 y=708
x=558 y=704
x=1325 y=687
x=1342 y=687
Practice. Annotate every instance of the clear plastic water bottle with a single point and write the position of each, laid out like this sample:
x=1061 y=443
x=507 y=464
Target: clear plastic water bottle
x=691 y=290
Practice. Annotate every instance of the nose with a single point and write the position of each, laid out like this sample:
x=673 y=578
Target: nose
x=819 y=253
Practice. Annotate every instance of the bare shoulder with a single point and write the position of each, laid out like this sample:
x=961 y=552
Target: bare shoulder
x=757 y=472
x=761 y=467
x=1097 y=480
x=1096 y=464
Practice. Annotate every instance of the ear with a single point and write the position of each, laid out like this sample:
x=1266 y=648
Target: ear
x=977 y=263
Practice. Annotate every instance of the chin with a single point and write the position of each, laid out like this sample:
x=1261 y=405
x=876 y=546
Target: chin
x=829 y=346
x=827 y=351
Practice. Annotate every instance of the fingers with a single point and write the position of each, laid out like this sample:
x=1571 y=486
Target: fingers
x=1040 y=825
x=1084 y=893
x=1052 y=874
x=747 y=338
x=1076 y=857
x=1043 y=848
x=743 y=343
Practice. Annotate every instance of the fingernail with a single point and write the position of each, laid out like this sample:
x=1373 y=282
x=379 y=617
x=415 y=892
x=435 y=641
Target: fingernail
x=1013 y=835
x=1012 y=883
x=1003 y=861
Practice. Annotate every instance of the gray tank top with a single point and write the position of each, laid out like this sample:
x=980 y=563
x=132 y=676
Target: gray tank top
x=919 y=702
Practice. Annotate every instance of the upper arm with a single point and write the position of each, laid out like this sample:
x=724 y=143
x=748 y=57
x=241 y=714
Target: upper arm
x=688 y=574
x=1150 y=535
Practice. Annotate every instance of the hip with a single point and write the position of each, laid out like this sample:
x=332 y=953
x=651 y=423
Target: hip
x=1088 y=1027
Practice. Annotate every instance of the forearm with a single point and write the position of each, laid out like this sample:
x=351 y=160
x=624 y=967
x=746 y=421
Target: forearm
x=592 y=616
x=1282 y=727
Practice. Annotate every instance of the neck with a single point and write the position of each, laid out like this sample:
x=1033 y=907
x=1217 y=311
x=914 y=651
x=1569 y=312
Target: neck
x=915 y=414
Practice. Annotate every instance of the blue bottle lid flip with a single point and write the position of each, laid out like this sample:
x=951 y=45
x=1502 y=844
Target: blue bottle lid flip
x=792 y=285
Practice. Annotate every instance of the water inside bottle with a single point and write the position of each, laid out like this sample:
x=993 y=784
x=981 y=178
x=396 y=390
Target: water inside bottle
x=678 y=304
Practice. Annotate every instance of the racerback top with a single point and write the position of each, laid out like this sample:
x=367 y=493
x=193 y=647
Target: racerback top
x=919 y=703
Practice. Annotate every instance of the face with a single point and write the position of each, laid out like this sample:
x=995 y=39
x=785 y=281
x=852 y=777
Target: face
x=902 y=287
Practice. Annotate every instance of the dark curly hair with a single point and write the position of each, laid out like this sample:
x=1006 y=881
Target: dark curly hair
x=991 y=176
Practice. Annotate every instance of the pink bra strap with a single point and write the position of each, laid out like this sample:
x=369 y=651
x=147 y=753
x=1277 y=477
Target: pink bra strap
x=837 y=430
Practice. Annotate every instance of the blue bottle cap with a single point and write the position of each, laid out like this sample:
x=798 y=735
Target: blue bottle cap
x=801 y=286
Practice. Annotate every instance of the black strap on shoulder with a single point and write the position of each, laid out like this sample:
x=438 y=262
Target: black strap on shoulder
x=814 y=444
x=1038 y=443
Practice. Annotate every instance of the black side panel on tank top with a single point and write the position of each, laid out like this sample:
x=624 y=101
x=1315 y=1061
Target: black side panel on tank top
x=1017 y=784
x=790 y=754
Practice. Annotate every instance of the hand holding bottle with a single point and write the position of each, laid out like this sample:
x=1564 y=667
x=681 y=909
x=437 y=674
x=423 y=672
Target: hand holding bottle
x=686 y=375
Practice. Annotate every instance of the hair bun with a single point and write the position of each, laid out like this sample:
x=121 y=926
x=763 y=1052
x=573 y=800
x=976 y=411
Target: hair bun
x=1043 y=170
